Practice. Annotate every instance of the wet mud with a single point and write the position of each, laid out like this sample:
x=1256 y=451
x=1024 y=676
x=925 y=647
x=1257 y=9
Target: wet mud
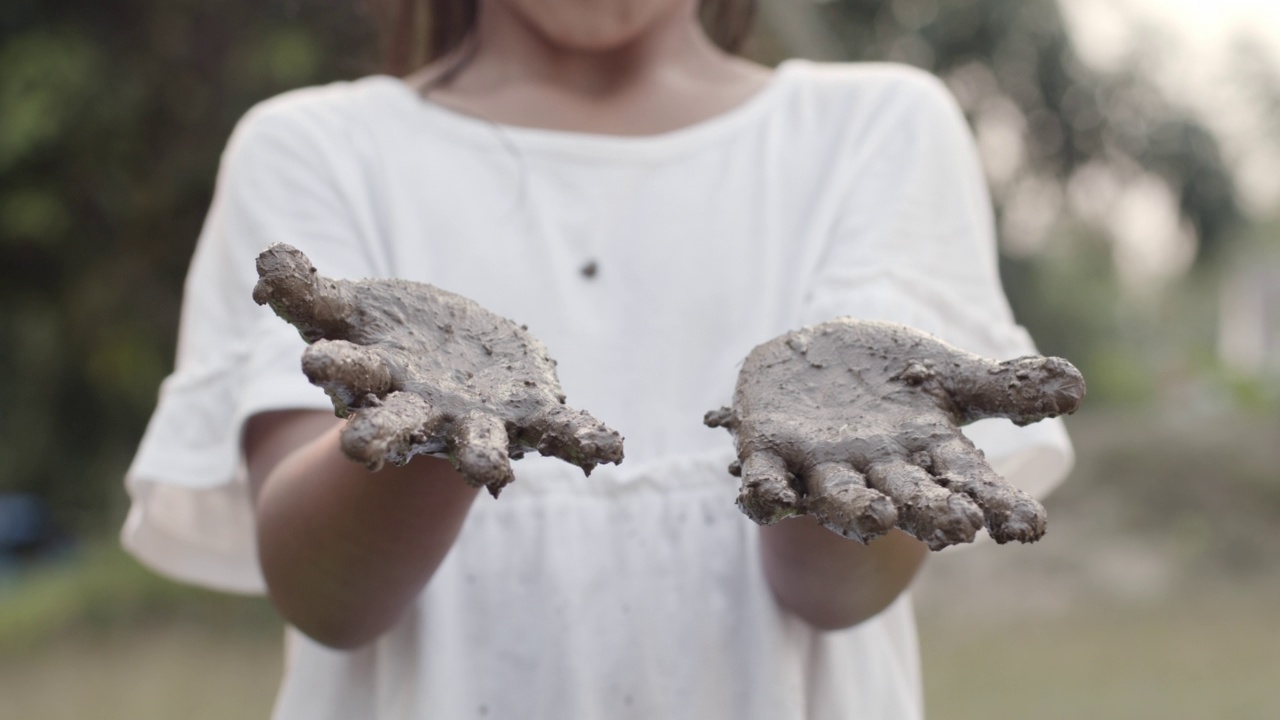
x=416 y=369
x=857 y=423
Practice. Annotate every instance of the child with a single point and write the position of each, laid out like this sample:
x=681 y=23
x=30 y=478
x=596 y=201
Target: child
x=652 y=208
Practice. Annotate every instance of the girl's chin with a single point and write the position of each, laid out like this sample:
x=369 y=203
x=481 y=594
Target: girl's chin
x=607 y=25
x=592 y=37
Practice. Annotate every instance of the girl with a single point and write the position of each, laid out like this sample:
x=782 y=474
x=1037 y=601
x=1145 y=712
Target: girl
x=652 y=207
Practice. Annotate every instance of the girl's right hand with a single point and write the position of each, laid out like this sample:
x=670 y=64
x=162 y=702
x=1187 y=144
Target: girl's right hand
x=416 y=369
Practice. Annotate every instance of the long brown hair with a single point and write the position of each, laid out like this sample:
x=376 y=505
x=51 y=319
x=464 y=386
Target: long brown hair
x=416 y=32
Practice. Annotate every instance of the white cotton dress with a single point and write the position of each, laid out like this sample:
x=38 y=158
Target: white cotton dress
x=637 y=592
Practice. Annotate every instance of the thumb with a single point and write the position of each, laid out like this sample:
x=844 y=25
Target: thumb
x=288 y=282
x=1024 y=390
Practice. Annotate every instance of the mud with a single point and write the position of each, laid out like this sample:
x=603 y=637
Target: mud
x=416 y=369
x=857 y=423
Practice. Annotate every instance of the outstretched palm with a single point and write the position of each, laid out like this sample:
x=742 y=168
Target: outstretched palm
x=857 y=424
x=427 y=371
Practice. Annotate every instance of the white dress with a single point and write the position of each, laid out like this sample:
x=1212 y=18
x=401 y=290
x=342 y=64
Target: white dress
x=637 y=592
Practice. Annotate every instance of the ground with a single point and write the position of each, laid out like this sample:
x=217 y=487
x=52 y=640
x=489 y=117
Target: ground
x=1153 y=595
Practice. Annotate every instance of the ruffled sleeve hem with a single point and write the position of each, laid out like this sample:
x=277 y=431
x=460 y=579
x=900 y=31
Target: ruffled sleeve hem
x=282 y=179
x=160 y=527
x=191 y=516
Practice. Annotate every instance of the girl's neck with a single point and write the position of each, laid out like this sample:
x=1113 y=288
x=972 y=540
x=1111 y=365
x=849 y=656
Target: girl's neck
x=667 y=77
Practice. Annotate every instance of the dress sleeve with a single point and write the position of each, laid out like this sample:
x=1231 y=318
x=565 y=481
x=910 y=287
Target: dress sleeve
x=190 y=515
x=914 y=243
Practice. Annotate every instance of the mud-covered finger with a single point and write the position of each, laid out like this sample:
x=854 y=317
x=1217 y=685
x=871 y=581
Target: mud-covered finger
x=1024 y=390
x=288 y=282
x=767 y=495
x=723 y=417
x=349 y=373
x=838 y=497
x=480 y=452
x=401 y=426
x=926 y=510
x=576 y=437
x=1010 y=513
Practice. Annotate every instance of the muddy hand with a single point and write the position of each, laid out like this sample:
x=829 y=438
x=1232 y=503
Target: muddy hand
x=420 y=370
x=857 y=424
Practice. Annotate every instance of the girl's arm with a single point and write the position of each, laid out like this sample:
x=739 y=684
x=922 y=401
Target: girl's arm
x=834 y=583
x=856 y=424
x=914 y=244
x=345 y=551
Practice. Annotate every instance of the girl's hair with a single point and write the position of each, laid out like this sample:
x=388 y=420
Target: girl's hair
x=420 y=31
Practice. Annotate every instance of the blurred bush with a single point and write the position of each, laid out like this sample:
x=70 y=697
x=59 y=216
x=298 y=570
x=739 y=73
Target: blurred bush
x=112 y=117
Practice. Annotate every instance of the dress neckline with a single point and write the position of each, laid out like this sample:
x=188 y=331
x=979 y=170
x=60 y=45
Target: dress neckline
x=595 y=146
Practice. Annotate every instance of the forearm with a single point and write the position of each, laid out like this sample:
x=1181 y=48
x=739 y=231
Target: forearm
x=832 y=582
x=344 y=551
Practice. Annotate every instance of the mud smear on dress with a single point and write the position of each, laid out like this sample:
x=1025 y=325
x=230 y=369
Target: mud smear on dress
x=416 y=369
x=857 y=423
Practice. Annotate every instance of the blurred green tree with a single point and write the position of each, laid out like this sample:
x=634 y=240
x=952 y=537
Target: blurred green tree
x=113 y=114
x=1012 y=62
x=112 y=117
x=1062 y=144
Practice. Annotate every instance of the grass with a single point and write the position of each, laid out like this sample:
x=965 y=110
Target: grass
x=101 y=638
x=1212 y=656
x=176 y=669
x=99 y=589
x=95 y=635
x=1154 y=596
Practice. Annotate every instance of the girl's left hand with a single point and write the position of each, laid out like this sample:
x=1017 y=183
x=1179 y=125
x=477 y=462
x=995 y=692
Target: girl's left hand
x=857 y=423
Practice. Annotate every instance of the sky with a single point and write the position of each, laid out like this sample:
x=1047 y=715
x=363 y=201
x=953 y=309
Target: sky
x=1197 y=37
x=1193 y=43
x=1206 y=26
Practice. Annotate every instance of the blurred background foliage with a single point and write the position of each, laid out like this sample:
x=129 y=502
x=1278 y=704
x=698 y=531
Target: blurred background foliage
x=1127 y=244
x=1119 y=215
x=113 y=116
x=112 y=119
